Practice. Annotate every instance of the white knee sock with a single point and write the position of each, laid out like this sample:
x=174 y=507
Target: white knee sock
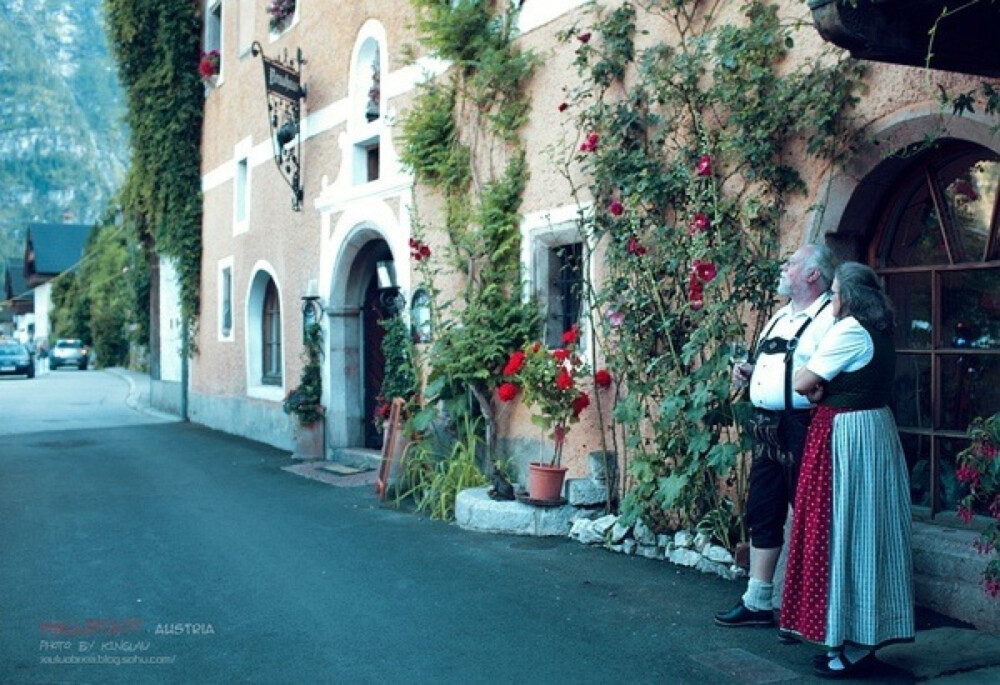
x=758 y=595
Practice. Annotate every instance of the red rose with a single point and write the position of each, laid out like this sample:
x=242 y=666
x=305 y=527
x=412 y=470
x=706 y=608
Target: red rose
x=560 y=355
x=584 y=37
x=590 y=144
x=564 y=381
x=580 y=402
x=616 y=208
x=514 y=364
x=602 y=378
x=704 y=166
x=507 y=391
x=563 y=106
x=700 y=222
x=704 y=271
x=572 y=335
x=635 y=247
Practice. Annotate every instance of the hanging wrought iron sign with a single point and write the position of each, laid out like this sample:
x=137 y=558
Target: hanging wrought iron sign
x=284 y=93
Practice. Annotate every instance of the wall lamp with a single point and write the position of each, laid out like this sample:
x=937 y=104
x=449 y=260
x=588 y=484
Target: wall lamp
x=389 y=295
x=312 y=308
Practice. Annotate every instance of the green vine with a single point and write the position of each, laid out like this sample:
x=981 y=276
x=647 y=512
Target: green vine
x=305 y=400
x=461 y=139
x=688 y=151
x=157 y=47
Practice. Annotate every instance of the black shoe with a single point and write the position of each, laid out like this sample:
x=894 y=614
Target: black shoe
x=849 y=670
x=787 y=637
x=741 y=617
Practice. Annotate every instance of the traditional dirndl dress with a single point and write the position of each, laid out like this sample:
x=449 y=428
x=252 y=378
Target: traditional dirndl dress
x=849 y=576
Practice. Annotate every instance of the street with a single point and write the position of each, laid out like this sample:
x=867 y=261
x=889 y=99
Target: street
x=154 y=551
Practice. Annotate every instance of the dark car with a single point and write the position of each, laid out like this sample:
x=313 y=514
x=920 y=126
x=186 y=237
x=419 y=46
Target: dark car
x=15 y=359
x=69 y=352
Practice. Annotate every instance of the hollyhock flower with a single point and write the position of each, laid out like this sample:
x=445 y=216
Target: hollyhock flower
x=580 y=402
x=615 y=317
x=992 y=587
x=602 y=379
x=584 y=37
x=616 y=208
x=590 y=144
x=507 y=391
x=560 y=355
x=968 y=474
x=700 y=222
x=564 y=381
x=563 y=106
x=572 y=335
x=635 y=247
x=704 y=166
x=704 y=271
x=515 y=363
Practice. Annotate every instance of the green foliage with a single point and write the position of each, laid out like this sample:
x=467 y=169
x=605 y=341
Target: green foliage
x=400 y=378
x=102 y=302
x=306 y=399
x=157 y=47
x=463 y=127
x=691 y=152
x=979 y=470
x=434 y=478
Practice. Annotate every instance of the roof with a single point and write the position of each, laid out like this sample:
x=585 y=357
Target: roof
x=16 y=290
x=51 y=249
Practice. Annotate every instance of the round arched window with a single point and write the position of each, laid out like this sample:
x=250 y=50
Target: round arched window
x=939 y=251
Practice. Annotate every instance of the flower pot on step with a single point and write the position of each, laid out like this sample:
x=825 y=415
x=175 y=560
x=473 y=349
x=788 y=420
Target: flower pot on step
x=545 y=483
x=309 y=441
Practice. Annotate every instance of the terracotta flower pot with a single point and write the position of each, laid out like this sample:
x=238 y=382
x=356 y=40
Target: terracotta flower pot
x=545 y=483
x=309 y=441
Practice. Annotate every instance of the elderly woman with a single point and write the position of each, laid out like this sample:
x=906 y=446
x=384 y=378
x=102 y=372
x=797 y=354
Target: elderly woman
x=849 y=581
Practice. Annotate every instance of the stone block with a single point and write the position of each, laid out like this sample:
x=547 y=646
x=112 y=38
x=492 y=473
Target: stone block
x=585 y=492
x=474 y=510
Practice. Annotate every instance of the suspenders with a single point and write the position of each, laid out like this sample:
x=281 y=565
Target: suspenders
x=789 y=349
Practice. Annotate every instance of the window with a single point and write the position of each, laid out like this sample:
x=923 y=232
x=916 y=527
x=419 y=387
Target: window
x=241 y=196
x=213 y=27
x=565 y=291
x=938 y=249
x=420 y=317
x=226 y=302
x=271 y=336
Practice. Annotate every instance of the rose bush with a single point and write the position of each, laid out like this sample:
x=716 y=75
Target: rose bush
x=547 y=381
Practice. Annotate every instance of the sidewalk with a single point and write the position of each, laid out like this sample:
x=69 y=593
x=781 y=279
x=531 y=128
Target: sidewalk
x=945 y=651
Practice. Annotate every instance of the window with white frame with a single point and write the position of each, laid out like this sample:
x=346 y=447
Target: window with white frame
x=241 y=196
x=271 y=336
x=559 y=268
x=213 y=26
x=226 y=300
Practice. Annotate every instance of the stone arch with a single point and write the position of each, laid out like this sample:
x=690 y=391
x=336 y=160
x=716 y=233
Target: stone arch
x=846 y=210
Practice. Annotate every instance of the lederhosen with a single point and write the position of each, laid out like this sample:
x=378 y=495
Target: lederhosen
x=778 y=437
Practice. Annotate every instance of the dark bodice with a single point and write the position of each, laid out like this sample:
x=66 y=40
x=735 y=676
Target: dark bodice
x=870 y=387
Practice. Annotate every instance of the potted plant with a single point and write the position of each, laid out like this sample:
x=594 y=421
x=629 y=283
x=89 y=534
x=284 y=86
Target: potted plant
x=208 y=66
x=979 y=469
x=547 y=380
x=281 y=12
x=305 y=400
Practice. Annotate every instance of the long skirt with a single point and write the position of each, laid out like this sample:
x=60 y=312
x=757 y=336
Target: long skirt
x=849 y=577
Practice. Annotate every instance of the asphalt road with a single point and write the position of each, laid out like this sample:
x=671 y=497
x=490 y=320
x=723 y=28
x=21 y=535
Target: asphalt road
x=163 y=552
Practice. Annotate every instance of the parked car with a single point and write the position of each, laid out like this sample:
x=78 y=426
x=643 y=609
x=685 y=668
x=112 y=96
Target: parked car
x=15 y=359
x=69 y=352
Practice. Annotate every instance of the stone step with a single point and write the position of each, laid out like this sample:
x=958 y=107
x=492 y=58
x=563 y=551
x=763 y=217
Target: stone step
x=358 y=457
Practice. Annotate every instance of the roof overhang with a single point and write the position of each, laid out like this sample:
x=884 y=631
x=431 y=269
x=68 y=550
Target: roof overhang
x=898 y=32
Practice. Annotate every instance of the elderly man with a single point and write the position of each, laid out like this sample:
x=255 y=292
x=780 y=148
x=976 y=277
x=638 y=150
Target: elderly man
x=779 y=423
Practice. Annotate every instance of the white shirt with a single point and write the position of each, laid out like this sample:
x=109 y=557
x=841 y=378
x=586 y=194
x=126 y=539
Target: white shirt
x=847 y=347
x=767 y=384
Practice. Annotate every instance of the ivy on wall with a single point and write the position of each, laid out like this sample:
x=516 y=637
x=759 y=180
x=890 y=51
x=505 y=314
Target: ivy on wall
x=157 y=47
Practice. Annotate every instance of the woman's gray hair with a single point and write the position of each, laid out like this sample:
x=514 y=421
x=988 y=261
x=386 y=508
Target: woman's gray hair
x=862 y=296
x=821 y=257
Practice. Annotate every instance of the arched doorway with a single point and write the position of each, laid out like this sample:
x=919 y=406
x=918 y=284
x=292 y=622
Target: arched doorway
x=356 y=364
x=928 y=220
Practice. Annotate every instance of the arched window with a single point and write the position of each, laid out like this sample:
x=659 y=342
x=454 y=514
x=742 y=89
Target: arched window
x=938 y=249
x=271 y=336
